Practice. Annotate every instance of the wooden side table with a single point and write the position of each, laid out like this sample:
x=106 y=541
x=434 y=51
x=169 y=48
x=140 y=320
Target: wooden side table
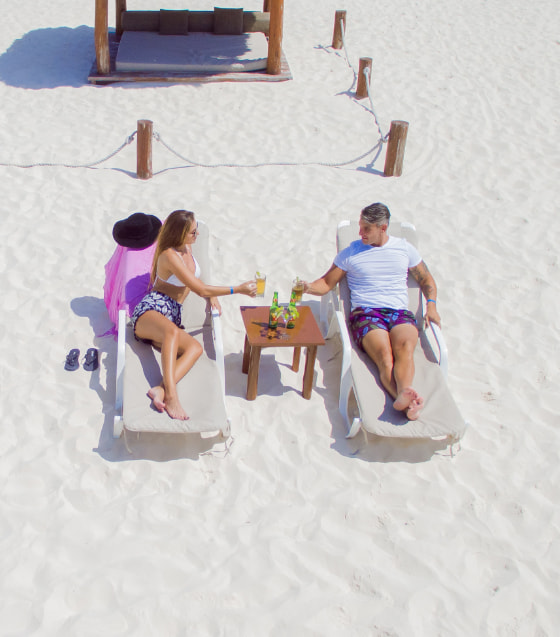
x=258 y=335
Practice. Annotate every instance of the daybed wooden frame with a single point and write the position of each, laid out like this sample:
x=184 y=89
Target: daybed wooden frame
x=106 y=47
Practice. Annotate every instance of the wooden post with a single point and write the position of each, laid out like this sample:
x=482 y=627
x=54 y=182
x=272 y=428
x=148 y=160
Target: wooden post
x=337 y=42
x=274 y=63
x=102 y=37
x=395 y=149
x=363 y=81
x=144 y=149
x=266 y=8
x=120 y=7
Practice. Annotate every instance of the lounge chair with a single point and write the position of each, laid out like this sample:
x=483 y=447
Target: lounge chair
x=201 y=392
x=440 y=416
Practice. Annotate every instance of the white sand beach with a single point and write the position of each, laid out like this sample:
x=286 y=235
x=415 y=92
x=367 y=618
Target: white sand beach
x=297 y=531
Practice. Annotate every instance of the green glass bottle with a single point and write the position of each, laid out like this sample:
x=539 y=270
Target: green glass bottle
x=292 y=312
x=274 y=312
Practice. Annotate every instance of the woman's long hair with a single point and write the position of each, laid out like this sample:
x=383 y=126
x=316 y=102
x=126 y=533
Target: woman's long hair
x=172 y=235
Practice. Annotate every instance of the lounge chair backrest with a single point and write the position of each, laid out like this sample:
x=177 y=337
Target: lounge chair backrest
x=196 y=311
x=348 y=232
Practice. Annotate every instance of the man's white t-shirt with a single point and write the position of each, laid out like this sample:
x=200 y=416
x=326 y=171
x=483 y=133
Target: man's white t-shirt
x=377 y=275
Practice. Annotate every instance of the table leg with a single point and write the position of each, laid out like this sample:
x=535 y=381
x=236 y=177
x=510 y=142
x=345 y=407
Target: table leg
x=253 y=372
x=310 y=356
x=295 y=361
x=246 y=353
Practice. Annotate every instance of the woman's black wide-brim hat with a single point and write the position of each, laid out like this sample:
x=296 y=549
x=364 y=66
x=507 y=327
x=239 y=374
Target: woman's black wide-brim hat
x=137 y=231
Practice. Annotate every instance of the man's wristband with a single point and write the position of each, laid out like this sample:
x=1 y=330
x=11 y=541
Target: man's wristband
x=231 y=290
x=430 y=301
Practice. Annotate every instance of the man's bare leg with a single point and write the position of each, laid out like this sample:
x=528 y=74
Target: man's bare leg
x=377 y=345
x=403 y=342
x=393 y=354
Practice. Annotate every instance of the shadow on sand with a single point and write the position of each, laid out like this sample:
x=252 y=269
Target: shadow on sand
x=49 y=58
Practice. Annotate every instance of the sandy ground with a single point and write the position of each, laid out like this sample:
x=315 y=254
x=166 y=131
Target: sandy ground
x=297 y=531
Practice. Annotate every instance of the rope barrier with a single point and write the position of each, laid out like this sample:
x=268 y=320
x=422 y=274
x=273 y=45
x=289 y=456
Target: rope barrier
x=384 y=138
x=127 y=141
x=191 y=162
x=343 y=35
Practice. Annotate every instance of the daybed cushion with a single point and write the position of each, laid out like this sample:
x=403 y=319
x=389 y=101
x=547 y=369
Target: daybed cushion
x=173 y=22
x=140 y=20
x=201 y=21
x=198 y=52
x=198 y=21
x=228 y=21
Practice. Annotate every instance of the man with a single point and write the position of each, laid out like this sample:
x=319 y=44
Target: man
x=376 y=269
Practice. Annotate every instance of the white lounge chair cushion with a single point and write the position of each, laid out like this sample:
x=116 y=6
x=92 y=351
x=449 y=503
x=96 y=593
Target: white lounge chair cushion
x=440 y=416
x=200 y=392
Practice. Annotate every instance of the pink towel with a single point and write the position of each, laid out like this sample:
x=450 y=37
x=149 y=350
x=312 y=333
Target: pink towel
x=127 y=277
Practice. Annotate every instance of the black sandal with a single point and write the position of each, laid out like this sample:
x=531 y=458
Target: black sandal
x=91 y=362
x=72 y=360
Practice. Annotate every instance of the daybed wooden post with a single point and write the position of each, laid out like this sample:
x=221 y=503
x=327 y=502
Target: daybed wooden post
x=102 y=37
x=265 y=6
x=337 y=41
x=144 y=149
x=274 y=64
x=363 y=82
x=120 y=7
x=395 y=149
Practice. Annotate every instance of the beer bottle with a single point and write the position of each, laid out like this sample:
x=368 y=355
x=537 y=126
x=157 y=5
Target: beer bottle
x=274 y=312
x=292 y=311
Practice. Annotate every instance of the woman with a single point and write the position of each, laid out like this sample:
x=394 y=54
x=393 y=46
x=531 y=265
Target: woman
x=157 y=318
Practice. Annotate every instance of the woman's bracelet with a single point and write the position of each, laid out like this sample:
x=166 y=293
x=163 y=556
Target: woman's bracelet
x=231 y=290
x=430 y=301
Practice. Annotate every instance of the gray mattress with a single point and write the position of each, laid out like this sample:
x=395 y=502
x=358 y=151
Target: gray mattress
x=147 y=51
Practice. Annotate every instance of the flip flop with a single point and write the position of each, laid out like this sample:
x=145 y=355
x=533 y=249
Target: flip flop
x=92 y=360
x=72 y=363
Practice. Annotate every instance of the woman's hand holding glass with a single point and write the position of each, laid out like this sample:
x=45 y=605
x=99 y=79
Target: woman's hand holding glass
x=249 y=288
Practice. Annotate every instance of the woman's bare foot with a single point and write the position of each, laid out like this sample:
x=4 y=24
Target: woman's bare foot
x=157 y=394
x=405 y=398
x=415 y=408
x=174 y=409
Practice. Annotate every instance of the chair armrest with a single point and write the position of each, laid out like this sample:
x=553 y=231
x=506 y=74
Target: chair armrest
x=442 y=346
x=328 y=308
x=119 y=377
x=346 y=382
x=219 y=347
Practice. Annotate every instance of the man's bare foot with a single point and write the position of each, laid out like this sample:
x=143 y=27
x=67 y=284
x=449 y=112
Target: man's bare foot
x=157 y=394
x=415 y=408
x=174 y=409
x=405 y=398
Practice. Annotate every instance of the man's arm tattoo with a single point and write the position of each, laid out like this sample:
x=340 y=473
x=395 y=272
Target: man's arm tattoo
x=426 y=281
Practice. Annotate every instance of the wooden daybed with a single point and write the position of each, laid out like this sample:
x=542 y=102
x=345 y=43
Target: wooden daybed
x=189 y=46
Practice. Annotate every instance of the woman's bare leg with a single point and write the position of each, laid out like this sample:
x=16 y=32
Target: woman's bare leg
x=173 y=342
